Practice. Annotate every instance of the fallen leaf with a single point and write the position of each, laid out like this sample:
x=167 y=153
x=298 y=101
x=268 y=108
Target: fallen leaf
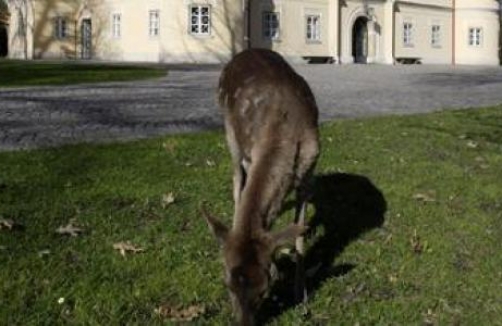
x=9 y=224
x=43 y=253
x=393 y=278
x=179 y=314
x=167 y=199
x=125 y=247
x=169 y=146
x=416 y=243
x=429 y=318
x=6 y=224
x=425 y=197
x=472 y=144
x=70 y=229
x=352 y=293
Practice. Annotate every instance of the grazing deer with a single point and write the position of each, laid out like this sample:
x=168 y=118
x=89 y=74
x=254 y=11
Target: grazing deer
x=271 y=127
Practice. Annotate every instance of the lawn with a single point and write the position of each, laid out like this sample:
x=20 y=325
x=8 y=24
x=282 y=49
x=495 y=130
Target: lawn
x=406 y=228
x=35 y=73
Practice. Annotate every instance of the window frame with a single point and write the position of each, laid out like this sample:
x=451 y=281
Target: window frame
x=117 y=25
x=313 y=28
x=61 y=27
x=270 y=32
x=436 y=36
x=475 y=39
x=154 y=23
x=198 y=27
x=408 y=34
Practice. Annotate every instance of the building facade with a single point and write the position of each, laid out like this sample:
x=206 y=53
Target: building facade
x=342 y=31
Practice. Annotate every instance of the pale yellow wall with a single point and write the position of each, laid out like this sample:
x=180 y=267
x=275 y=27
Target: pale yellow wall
x=484 y=14
x=422 y=18
x=176 y=44
x=292 y=41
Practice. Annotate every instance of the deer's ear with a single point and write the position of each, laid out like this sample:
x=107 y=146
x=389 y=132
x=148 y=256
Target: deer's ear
x=287 y=235
x=219 y=229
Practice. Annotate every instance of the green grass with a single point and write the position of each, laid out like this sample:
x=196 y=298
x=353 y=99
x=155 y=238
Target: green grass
x=33 y=73
x=431 y=182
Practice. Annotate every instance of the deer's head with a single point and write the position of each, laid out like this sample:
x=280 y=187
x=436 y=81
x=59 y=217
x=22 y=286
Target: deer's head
x=248 y=262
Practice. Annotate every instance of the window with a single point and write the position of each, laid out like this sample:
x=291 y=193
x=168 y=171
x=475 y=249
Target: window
x=21 y=25
x=475 y=36
x=408 y=34
x=60 y=28
x=154 y=23
x=200 y=20
x=116 y=28
x=271 y=25
x=314 y=28
x=436 y=36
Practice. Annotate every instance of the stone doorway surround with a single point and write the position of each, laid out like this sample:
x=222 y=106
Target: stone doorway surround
x=372 y=13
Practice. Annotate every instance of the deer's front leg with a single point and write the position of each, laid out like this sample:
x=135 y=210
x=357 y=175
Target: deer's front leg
x=300 y=287
x=239 y=180
x=239 y=177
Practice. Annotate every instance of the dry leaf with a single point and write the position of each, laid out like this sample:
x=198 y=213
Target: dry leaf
x=167 y=199
x=70 y=229
x=425 y=197
x=9 y=224
x=352 y=293
x=179 y=314
x=169 y=146
x=472 y=144
x=6 y=224
x=125 y=247
x=43 y=253
x=416 y=243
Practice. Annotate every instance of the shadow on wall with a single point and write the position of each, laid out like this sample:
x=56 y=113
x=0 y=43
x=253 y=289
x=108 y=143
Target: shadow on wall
x=346 y=206
x=259 y=33
x=69 y=47
x=500 y=38
x=231 y=32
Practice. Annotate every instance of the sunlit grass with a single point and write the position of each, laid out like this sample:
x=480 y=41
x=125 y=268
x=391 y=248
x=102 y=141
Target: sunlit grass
x=435 y=259
x=35 y=73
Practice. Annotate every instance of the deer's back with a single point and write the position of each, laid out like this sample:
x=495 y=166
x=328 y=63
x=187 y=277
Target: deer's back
x=263 y=99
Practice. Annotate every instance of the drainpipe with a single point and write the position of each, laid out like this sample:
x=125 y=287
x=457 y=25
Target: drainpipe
x=394 y=5
x=248 y=23
x=339 y=36
x=453 y=31
x=76 y=39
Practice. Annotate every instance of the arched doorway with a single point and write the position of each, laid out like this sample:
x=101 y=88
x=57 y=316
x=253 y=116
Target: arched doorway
x=4 y=40
x=360 y=40
x=4 y=28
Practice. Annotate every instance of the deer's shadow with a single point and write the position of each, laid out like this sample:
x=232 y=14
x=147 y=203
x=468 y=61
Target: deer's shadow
x=346 y=206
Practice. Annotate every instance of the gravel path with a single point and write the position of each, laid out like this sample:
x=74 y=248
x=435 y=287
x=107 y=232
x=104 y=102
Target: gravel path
x=184 y=101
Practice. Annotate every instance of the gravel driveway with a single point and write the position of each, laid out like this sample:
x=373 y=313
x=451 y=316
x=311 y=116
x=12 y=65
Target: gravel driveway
x=184 y=101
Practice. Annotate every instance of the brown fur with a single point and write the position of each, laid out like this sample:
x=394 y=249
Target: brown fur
x=271 y=127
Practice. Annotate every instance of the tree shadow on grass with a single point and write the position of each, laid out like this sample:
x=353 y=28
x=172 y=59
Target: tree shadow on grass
x=346 y=206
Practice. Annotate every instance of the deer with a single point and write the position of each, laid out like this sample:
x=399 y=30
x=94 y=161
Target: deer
x=271 y=127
